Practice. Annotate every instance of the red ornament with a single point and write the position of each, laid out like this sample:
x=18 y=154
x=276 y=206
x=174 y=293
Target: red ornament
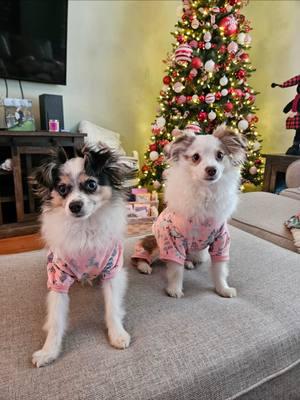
x=229 y=25
x=201 y=98
x=164 y=142
x=255 y=119
x=201 y=45
x=244 y=57
x=228 y=107
x=153 y=147
x=223 y=49
x=202 y=116
x=180 y=39
x=240 y=74
x=145 y=168
x=188 y=98
x=174 y=74
x=166 y=80
x=233 y=2
x=257 y=162
x=193 y=43
x=196 y=62
x=218 y=96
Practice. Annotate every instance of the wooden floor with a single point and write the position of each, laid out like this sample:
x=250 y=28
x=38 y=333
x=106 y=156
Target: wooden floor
x=20 y=244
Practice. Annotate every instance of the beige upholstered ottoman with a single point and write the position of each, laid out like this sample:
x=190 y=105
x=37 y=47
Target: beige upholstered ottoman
x=263 y=214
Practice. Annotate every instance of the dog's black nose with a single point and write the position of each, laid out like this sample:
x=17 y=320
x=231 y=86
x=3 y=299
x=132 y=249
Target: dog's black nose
x=75 y=206
x=211 y=171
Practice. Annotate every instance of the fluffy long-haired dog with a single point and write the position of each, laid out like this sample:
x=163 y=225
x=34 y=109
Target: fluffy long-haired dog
x=201 y=193
x=83 y=222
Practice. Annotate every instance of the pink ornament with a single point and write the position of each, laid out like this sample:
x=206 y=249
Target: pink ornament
x=238 y=93
x=181 y=99
x=193 y=73
x=194 y=44
x=178 y=87
x=229 y=25
x=176 y=132
x=232 y=47
x=183 y=54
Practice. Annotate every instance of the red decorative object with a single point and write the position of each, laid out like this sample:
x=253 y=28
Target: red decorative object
x=202 y=116
x=222 y=49
x=244 y=57
x=233 y=2
x=218 y=96
x=193 y=43
x=240 y=74
x=183 y=54
x=145 y=168
x=180 y=38
x=166 y=80
x=238 y=93
x=201 y=98
x=153 y=147
x=229 y=25
x=164 y=142
x=228 y=107
x=196 y=62
x=258 y=162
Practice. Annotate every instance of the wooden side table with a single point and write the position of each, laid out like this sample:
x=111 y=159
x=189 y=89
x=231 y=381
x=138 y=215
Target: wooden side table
x=26 y=145
x=275 y=163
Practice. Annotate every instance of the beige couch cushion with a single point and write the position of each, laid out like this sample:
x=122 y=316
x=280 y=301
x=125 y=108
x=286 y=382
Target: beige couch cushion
x=263 y=214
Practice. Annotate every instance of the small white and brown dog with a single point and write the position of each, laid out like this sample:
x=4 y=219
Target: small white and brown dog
x=201 y=192
x=83 y=223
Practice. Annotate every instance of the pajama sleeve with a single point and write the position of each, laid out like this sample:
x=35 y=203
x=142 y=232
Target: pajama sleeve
x=58 y=280
x=219 y=249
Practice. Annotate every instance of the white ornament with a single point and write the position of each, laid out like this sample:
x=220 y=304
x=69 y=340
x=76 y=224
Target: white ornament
x=243 y=125
x=212 y=115
x=160 y=122
x=195 y=24
x=195 y=98
x=248 y=39
x=228 y=8
x=253 y=170
x=165 y=88
x=207 y=37
x=247 y=95
x=224 y=92
x=256 y=146
x=156 y=184
x=153 y=155
x=223 y=81
x=241 y=38
x=209 y=66
x=178 y=87
x=210 y=98
x=232 y=47
x=207 y=45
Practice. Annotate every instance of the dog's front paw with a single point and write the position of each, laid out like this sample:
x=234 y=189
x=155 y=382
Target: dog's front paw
x=119 y=340
x=41 y=358
x=144 y=267
x=227 y=292
x=174 y=292
x=189 y=265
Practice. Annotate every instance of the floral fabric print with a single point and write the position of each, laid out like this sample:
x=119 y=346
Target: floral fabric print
x=63 y=272
x=177 y=237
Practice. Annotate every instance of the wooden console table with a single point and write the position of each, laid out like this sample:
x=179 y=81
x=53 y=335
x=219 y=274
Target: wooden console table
x=275 y=163
x=22 y=147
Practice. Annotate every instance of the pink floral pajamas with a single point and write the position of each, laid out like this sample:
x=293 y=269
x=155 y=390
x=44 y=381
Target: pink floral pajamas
x=177 y=237
x=63 y=272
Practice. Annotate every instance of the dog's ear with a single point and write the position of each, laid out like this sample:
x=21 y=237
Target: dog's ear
x=233 y=143
x=44 y=177
x=107 y=165
x=179 y=146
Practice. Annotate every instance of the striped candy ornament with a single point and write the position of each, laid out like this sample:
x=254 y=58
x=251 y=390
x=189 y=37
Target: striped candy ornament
x=210 y=98
x=193 y=127
x=183 y=54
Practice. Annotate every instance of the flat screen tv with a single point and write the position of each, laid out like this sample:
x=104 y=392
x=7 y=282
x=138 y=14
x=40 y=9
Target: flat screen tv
x=33 y=40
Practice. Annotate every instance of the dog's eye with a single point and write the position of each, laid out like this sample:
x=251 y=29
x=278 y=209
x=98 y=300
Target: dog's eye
x=63 y=189
x=220 y=155
x=196 y=158
x=90 y=185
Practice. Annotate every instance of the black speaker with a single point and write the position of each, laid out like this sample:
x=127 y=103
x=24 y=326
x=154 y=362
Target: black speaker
x=51 y=107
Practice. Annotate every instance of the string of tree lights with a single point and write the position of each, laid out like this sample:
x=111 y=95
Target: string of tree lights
x=206 y=84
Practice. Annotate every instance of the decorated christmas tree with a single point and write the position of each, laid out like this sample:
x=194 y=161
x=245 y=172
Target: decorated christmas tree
x=206 y=84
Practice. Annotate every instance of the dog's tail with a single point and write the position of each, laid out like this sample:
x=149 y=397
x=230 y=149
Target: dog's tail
x=145 y=252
